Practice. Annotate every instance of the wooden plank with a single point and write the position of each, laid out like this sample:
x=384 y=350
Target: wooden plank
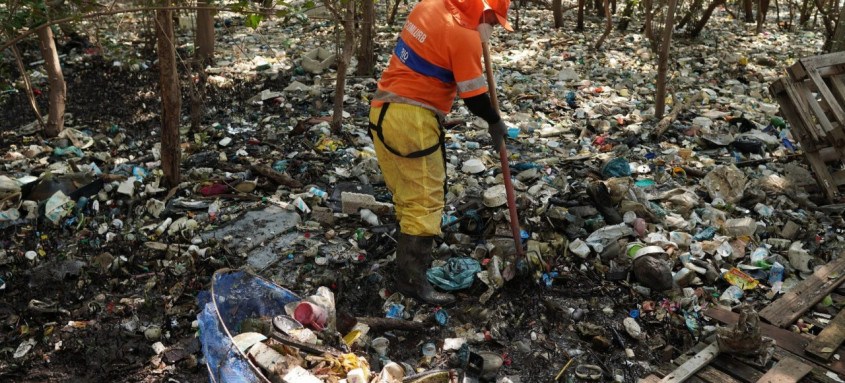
x=817 y=374
x=786 y=340
x=712 y=374
x=817 y=110
x=668 y=368
x=830 y=154
x=788 y=370
x=788 y=308
x=823 y=176
x=804 y=135
x=838 y=178
x=691 y=366
x=798 y=71
x=833 y=70
x=650 y=379
x=737 y=368
x=824 y=60
x=707 y=374
x=798 y=100
x=838 y=88
x=824 y=344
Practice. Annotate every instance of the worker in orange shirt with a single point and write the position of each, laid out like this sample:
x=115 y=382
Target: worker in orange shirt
x=437 y=56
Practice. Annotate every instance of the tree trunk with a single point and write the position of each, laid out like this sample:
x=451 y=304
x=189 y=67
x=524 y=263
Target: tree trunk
x=205 y=34
x=392 y=17
x=171 y=102
x=608 y=25
x=804 y=15
x=627 y=13
x=762 y=9
x=366 y=52
x=579 y=25
x=340 y=82
x=748 y=10
x=699 y=26
x=204 y=41
x=696 y=5
x=648 y=23
x=56 y=81
x=30 y=95
x=663 y=60
x=838 y=41
x=557 y=11
x=599 y=8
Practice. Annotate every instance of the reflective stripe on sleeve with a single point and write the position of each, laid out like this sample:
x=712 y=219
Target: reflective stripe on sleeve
x=473 y=84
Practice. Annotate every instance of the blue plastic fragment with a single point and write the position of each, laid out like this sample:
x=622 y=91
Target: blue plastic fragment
x=395 y=311
x=442 y=317
x=706 y=234
x=617 y=167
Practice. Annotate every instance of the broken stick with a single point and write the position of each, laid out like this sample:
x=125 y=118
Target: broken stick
x=277 y=177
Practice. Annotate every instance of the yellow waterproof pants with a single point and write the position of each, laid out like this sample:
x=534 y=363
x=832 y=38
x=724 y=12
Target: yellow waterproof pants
x=417 y=183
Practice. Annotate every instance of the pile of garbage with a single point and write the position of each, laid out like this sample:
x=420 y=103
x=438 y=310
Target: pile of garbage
x=628 y=238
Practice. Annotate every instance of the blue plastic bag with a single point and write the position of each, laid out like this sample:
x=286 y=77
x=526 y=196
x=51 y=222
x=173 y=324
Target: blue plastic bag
x=457 y=274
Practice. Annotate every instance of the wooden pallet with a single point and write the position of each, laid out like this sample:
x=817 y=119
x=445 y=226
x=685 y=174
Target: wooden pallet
x=812 y=99
x=793 y=360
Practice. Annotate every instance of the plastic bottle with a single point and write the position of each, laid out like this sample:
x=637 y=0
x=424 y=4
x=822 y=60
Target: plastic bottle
x=494 y=269
x=213 y=210
x=163 y=226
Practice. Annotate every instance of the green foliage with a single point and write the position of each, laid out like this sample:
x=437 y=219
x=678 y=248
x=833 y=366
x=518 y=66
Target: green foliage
x=253 y=20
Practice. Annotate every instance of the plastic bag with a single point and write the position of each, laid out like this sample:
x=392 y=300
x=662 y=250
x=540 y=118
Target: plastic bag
x=457 y=274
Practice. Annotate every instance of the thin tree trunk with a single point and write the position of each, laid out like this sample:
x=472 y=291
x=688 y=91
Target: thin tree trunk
x=696 y=5
x=748 y=10
x=705 y=17
x=608 y=25
x=557 y=11
x=648 y=23
x=56 y=81
x=340 y=82
x=579 y=25
x=204 y=41
x=663 y=61
x=30 y=95
x=366 y=52
x=762 y=10
x=838 y=40
x=392 y=17
x=205 y=34
x=599 y=4
x=171 y=102
x=804 y=15
x=627 y=13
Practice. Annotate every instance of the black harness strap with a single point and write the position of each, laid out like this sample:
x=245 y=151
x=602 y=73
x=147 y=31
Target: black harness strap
x=420 y=153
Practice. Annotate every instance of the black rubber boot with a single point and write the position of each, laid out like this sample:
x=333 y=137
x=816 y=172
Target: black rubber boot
x=413 y=257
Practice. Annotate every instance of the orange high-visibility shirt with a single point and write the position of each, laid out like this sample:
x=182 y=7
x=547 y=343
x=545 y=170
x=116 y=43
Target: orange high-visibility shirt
x=435 y=58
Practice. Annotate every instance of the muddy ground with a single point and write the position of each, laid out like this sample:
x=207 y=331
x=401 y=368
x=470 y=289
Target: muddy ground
x=87 y=329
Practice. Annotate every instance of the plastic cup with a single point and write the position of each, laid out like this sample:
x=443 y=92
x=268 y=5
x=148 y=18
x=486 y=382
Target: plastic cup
x=310 y=315
x=380 y=345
